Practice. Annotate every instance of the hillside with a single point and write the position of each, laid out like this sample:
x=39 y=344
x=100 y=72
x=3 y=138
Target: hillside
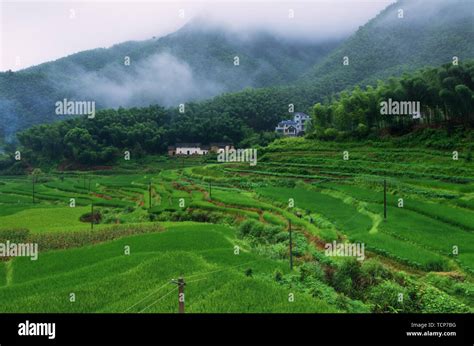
x=193 y=63
x=235 y=255
x=430 y=33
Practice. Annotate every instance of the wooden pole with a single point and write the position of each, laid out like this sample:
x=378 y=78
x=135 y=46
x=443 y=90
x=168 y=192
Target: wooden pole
x=181 y=283
x=33 y=189
x=291 y=245
x=149 y=195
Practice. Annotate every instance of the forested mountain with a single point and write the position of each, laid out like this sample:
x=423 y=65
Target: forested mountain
x=430 y=33
x=196 y=62
x=446 y=93
x=405 y=36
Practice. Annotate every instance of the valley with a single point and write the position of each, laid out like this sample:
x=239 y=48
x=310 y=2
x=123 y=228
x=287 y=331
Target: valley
x=225 y=229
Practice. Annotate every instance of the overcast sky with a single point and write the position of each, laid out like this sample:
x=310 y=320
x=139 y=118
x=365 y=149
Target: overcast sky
x=32 y=32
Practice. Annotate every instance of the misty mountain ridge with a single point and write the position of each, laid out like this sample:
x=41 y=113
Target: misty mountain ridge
x=405 y=36
x=196 y=62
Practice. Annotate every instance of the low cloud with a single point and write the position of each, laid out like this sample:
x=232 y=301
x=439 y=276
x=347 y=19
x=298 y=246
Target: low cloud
x=160 y=78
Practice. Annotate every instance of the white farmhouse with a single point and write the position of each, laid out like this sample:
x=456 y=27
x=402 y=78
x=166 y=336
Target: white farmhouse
x=188 y=149
x=295 y=127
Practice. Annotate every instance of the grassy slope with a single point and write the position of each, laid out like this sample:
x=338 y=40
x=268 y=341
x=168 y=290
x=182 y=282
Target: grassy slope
x=203 y=253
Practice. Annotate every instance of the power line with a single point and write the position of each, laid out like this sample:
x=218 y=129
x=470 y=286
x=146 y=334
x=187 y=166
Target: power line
x=167 y=294
x=146 y=297
x=192 y=276
x=188 y=282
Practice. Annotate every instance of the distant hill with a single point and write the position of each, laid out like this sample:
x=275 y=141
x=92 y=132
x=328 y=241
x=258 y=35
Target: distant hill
x=195 y=62
x=430 y=33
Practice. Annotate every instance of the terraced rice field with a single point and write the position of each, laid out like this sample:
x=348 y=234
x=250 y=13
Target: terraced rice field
x=201 y=209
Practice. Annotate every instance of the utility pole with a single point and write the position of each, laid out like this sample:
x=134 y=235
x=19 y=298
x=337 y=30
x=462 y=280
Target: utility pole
x=291 y=245
x=34 y=189
x=149 y=195
x=180 y=282
x=385 y=199
x=92 y=216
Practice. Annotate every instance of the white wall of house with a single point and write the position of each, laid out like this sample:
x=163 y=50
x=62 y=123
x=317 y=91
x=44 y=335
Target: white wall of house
x=191 y=151
x=300 y=121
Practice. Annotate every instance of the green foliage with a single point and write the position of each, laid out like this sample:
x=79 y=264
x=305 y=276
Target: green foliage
x=260 y=232
x=389 y=296
x=442 y=98
x=28 y=96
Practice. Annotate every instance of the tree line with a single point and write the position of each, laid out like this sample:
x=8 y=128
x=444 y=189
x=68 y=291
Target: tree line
x=445 y=95
x=248 y=118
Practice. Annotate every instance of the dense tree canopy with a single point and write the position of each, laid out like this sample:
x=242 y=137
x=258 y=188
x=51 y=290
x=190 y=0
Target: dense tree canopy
x=444 y=94
x=249 y=117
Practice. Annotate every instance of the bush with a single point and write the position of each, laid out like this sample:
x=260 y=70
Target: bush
x=329 y=134
x=434 y=300
x=373 y=273
x=361 y=131
x=347 y=277
x=437 y=266
x=259 y=232
x=311 y=269
x=14 y=235
x=65 y=240
x=278 y=276
x=385 y=298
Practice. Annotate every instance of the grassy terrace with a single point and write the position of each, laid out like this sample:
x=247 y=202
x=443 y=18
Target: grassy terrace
x=185 y=217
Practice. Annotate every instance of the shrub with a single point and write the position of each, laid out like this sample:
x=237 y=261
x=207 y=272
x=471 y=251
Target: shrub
x=385 y=297
x=65 y=240
x=278 y=276
x=259 y=232
x=311 y=269
x=329 y=134
x=373 y=273
x=14 y=235
x=436 y=266
x=434 y=300
x=347 y=277
x=361 y=131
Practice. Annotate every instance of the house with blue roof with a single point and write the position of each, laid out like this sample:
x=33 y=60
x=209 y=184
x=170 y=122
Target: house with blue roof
x=295 y=127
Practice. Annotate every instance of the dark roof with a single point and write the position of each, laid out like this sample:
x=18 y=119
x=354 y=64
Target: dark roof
x=301 y=114
x=287 y=122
